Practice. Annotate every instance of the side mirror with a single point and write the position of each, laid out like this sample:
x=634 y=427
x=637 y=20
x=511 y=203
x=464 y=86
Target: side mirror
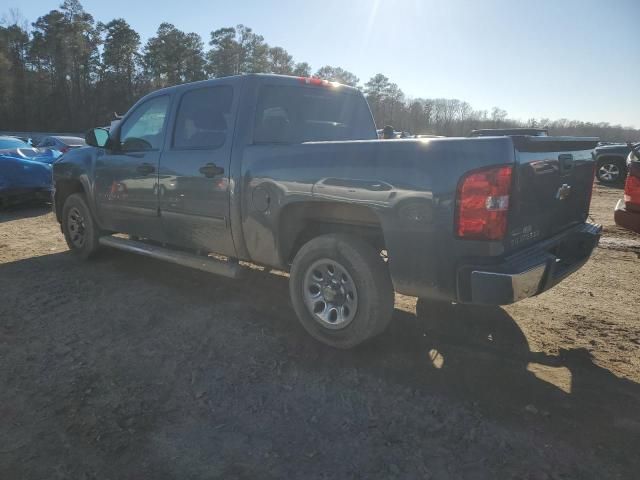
x=97 y=137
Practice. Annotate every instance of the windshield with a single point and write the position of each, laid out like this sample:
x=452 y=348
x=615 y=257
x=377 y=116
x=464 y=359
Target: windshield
x=10 y=143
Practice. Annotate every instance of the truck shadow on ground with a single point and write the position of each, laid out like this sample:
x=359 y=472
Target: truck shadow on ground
x=467 y=355
x=480 y=354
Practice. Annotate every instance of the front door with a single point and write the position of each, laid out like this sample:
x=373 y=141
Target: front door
x=194 y=171
x=126 y=177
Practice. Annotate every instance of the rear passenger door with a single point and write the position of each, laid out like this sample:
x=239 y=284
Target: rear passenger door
x=194 y=170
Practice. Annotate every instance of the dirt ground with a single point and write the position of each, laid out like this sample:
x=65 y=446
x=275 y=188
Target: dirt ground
x=130 y=368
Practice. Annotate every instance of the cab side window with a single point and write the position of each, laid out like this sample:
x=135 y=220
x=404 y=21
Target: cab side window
x=142 y=130
x=203 y=118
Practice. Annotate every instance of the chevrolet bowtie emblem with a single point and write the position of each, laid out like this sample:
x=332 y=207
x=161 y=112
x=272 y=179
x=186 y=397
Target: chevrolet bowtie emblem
x=563 y=192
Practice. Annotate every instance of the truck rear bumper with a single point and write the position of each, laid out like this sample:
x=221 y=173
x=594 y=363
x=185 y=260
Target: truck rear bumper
x=626 y=218
x=529 y=272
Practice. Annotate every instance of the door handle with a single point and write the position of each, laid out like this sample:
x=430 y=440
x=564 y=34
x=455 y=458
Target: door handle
x=145 y=168
x=210 y=170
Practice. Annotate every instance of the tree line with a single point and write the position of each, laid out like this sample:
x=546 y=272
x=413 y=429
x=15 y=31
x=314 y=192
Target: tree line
x=67 y=72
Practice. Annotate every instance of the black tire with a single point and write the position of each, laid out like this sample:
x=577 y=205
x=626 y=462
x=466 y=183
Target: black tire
x=79 y=227
x=611 y=171
x=366 y=270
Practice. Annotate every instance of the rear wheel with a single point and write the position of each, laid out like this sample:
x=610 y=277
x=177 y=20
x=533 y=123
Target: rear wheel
x=610 y=171
x=80 y=230
x=341 y=290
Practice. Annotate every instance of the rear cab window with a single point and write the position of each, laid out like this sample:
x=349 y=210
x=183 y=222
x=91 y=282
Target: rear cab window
x=292 y=114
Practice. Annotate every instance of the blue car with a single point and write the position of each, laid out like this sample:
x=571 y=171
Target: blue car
x=25 y=172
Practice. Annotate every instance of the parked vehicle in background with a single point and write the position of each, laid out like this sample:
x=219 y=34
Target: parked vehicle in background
x=12 y=143
x=17 y=148
x=27 y=140
x=498 y=132
x=22 y=179
x=25 y=172
x=611 y=163
x=45 y=156
x=627 y=211
x=288 y=173
x=396 y=134
x=61 y=144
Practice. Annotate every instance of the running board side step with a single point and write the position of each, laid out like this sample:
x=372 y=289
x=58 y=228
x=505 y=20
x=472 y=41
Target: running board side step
x=199 y=262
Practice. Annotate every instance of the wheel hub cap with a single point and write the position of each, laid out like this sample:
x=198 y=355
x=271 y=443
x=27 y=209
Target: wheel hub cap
x=330 y=294
x=334 y=294
x=609 y=172
x=76 y=227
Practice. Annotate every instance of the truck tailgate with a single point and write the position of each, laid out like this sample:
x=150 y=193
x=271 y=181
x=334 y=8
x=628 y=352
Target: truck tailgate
x=552 y=187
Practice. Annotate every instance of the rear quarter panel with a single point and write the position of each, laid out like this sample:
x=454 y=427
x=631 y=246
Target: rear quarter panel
x=410 y=185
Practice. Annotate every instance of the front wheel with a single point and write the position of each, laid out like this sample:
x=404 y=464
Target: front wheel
x=80 y=230
x=341 y=290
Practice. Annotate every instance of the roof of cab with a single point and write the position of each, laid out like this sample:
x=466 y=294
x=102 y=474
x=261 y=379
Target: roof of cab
x=284 y=79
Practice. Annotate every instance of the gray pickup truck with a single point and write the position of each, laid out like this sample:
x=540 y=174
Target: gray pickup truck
x=287 y=173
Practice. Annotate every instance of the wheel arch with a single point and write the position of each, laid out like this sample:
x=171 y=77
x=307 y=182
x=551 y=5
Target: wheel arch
x=64 y=188
x=611 y=156
x=302 y=221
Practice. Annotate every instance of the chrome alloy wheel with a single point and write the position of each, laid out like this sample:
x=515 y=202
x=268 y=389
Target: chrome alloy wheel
x=330 y=294
x=609 y=172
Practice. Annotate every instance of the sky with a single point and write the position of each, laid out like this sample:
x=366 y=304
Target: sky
x=576 y=59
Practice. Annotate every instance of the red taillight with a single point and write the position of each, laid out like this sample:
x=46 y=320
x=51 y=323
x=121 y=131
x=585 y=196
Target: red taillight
x=64 y=149
x=632 y=191
x=483 y=204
